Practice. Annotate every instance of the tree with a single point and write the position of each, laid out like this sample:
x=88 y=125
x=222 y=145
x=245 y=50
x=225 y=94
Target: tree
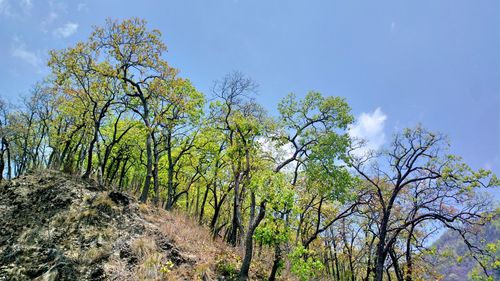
x=178 y=112
x=232 y=109
x=135 y=56
x=314 y=134
x=77 y=72
x=420 y=180
x=4 y=151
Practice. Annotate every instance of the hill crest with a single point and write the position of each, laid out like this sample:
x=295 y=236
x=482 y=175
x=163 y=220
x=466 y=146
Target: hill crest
x=58 y=227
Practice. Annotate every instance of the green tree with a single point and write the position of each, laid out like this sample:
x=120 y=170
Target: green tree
x=135 y=57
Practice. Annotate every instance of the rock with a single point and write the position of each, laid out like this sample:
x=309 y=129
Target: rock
x=97 y=274
x=57 y=227
x=119 y=198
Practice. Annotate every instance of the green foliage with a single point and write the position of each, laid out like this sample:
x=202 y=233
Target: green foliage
x=115 y=92
x=227 y=269
x=304 y=265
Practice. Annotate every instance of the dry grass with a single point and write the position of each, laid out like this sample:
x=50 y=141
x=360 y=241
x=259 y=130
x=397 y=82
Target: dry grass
x=95 y=254
x=153 y=264
x=103 y=200
x=151 y=268
x=195 y=242
x=144 y=247
x=209 y=257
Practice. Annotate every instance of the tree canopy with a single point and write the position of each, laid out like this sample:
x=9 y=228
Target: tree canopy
x=291 y=185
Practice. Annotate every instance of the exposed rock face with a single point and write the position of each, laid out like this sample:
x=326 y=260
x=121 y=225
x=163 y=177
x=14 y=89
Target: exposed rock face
x=57 y=227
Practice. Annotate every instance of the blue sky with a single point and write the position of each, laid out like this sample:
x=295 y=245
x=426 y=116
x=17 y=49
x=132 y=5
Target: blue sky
x=397 y=62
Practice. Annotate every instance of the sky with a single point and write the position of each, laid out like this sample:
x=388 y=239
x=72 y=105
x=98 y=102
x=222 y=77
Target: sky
x=397 y=63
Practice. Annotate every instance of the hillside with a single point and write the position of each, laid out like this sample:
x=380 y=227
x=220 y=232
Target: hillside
x=57 y=227
x=450 y=247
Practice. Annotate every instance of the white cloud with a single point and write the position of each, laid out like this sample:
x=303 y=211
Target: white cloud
x=19 y=51
x=66 y=30
x=370 y=128
x=278 y=153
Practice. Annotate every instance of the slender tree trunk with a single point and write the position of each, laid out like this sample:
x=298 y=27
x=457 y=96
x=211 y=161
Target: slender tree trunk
x=2 y=161
x=236 y=222
x=149 y=169
x=80 y=159
x=409 y=260
x=88 y=170
x=369 y=263
x=107 y=153
x=278 y=256
x=203 y=202
x=381 y=253
x=170 y=174
x=122 y=174
x=337 y=266
x=9 y=167
x=247 y=259
x=24 y=157
x=215 y=217
x=276 y=263
x=156 y=159
x=115 y=170
x=395 y=263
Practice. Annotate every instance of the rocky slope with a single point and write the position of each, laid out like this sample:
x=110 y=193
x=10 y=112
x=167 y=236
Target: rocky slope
x=57 y=227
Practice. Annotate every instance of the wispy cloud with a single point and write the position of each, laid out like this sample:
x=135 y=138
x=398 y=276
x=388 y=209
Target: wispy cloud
x=82 y=7
x=5 y=8
x=15 y=9
x=47 y=21
x=393 y=26
x=26 y=6
x=55 y=11
x=20 y=51
x=369 y=128
x=66 y=30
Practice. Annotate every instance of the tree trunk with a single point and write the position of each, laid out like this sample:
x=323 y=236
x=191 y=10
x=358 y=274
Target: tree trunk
x=215 y=217
x=9 y=167
x=116 y=168
x=337 y=267
x=247 y=259
x=276 y=263
x=149 y=170
x=379 y=262
x=2 y=161
x=381 y=253
x=409 y=260
x=395 y=263
x=122 y=174
x=90 y=152
x=236 y=221
x=202 y=207
x=156 y=159
x=170 y=174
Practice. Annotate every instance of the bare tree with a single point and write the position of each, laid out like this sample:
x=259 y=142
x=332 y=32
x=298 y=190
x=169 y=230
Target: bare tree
x=422 y=182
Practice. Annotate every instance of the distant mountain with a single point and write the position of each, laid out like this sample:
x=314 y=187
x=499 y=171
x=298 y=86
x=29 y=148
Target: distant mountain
x=452 y=260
